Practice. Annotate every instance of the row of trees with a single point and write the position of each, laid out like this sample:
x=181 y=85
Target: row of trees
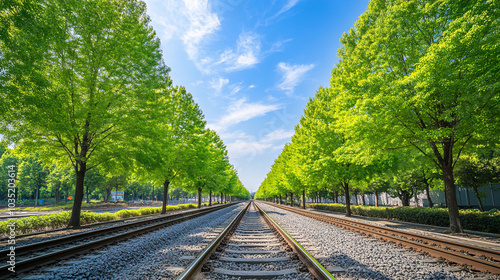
x=416 y=87
x=37 y=181
x=84 y=85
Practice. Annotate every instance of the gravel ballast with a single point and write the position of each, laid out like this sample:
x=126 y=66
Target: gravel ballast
x=161 y=254
x=361 y=257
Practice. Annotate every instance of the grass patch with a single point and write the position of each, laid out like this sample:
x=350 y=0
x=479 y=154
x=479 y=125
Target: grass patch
x=471 y=219
x=60 y=220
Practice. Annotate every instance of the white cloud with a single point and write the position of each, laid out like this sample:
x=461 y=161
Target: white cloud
x=241 y=111
x=235 y=89
x=277 y=46
x=245 y=146
x=221 y=85
x=246 y=55
x=218 y=84
x=190 y=20
x=287 y=7
x=292 y=75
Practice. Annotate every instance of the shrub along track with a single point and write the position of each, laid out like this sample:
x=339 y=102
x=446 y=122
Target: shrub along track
x=37 y=254
x=473 y=257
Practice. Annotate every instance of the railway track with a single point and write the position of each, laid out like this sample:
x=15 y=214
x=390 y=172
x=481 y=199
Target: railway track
x=21 y=237
x=475 y=258
x=42 y=253
x=254 y=246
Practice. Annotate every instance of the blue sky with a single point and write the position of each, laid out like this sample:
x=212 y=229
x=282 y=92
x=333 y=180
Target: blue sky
x=251 y=65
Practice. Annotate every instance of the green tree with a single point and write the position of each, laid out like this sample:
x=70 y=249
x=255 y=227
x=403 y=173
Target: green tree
x=475 y=172
x=60 y=179
x=78 y=78
x=422 y=74
x=93 y=180
x=8 y=158
x=179 y=128
x=32 y=176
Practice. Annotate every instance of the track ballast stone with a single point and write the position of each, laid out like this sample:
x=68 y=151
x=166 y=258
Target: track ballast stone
x=364 y=257
x=161 y=254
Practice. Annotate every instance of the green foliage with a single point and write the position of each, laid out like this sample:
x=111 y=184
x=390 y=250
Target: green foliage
x=413 y=76
x=471 y=219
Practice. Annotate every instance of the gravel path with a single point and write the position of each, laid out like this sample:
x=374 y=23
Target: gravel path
x=363 y=257
x=161 y=254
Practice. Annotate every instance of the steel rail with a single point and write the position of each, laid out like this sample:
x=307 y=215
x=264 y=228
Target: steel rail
x=26 y=249
x=98 y=223
x=195 y=266
x=408 y=240
x=30 y=263
x=314 y=267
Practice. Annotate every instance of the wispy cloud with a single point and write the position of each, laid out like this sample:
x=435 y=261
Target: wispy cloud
x=246 y=55
x=202 y=22
x=292 y=75
x=246 y=145
x=192 y=21
x=287 y=7
x=222 y=86
x=217 y=84
x=241 y=111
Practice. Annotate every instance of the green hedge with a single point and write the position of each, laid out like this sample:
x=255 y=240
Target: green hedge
x=60 y=220
x=470 y=219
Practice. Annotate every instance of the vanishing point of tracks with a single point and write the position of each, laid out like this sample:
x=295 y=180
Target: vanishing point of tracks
x=254 y=246
x=50 y=251
x=474 y=257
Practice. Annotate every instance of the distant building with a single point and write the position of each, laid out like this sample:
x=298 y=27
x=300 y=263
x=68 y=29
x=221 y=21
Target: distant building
x=116 y=196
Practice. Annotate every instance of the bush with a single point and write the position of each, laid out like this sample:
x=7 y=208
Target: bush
x=471 y=219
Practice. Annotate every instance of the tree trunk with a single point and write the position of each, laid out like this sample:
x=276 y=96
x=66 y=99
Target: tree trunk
x=347 y=199
x=221 y=197
x=280 y=200
x=108 y=194
x=210 y=199
x=476 y=192
x=165 y=196
x=199 y=197
x=363 y=198
x=303 y=199
x=81 y=168
x=87 y=193
x=429 y=200
x=405 y=198
x=356 y=197
x=291 y=199
x=376 y=198
x=58 y=186
x=451 y=201
x=36 y=196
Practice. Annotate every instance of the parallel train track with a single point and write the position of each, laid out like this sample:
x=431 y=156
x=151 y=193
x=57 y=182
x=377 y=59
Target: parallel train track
x=473 y=257
x=253 y=245
x=42 y=253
